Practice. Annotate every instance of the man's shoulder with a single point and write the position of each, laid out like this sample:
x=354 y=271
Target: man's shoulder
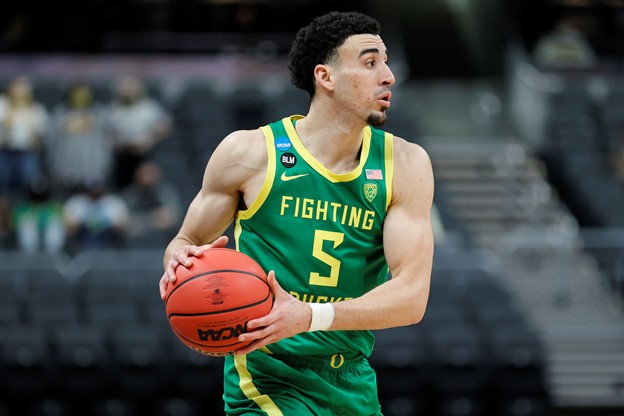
x=239 y=139
x=247 y=146
x=409 y=148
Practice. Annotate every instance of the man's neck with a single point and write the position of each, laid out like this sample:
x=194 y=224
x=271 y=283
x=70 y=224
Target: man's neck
x=332 y=139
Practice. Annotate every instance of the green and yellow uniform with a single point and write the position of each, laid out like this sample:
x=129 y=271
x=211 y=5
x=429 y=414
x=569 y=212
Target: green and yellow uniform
x=322 y=235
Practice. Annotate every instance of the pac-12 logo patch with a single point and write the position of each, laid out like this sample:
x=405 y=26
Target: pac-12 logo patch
x=370 y=191
x=288 y=160
x=283 y=144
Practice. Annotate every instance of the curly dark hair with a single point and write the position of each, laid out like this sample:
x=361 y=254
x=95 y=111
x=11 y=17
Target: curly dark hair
x=317 y=43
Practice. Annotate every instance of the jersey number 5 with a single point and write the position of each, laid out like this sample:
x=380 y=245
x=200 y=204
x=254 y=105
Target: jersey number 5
x=320 y=237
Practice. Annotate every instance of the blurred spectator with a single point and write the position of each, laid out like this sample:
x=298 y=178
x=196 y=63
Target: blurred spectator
x=23 y=123
x=137 y=122
x=95 y=218
x=564 y=47
x=38 y=219
x=78 y=151
x=154 y=204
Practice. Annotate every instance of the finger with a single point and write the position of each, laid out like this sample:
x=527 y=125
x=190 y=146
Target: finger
x=171 y=275
x=255 y=346
x=261 y=322
x=197 y=251
x=218 y=243
x=168 y=277
x=259 y=333
x=182 y=259
x=249 y=348
x=162 y=285
x=170 y=268
x=274 y=285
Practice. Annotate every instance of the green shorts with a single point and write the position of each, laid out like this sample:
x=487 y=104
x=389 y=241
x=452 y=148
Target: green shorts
x=276 y=385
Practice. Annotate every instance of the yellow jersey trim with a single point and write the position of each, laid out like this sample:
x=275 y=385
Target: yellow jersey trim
x=237 y=232
x=265 y=350
x=268 y=180
x=389 y=166
x=251 y=391
x=316 y=165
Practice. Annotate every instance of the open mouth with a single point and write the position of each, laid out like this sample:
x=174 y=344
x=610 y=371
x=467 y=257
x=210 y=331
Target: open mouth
x=384 y=99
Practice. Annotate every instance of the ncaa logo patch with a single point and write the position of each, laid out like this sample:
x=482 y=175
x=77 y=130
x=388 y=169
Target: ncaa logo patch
x=370 y=191
x=283 y=144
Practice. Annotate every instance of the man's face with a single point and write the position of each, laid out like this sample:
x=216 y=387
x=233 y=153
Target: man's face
x=363 y=77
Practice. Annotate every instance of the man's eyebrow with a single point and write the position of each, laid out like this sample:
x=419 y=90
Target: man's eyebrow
x=370 y=50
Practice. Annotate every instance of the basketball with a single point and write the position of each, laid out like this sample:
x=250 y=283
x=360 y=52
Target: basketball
x=210 y=303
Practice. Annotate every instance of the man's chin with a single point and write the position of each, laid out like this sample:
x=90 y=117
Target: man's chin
x=377 y=119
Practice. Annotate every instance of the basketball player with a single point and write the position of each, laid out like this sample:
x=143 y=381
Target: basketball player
x=325 y=203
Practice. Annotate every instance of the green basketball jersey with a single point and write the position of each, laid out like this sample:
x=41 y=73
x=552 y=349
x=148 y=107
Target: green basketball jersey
x=320 y=232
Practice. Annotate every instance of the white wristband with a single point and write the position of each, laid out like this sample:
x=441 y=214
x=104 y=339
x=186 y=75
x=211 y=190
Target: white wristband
x=322 y=316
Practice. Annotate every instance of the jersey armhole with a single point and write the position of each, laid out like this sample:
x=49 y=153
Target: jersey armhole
x=389 y=166
x=268 y=179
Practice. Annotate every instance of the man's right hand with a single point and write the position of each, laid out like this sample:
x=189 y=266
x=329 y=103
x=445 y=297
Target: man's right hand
x=183 y=257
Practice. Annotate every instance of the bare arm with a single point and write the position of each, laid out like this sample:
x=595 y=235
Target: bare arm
x=408 y=246
x=235 y=170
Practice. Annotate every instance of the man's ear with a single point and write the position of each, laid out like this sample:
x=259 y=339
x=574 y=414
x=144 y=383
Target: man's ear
x=324 y=77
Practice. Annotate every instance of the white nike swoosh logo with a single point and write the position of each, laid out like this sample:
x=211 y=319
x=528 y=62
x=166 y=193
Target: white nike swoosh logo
x=290 y=178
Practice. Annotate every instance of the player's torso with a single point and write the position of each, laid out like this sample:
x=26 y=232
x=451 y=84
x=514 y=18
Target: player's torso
x=321 y=232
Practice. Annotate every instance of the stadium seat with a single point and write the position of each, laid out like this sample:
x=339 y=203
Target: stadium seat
x=25 y=363
x=194 y=101
x=52 y=314
x=82 y=361
x=192 y=374
x=107 y=315
x=518 y=362
x=248 y=106
x=401 y=360
x=47 y=406
x=289 y=101
x=138 y=361
x=468 y=405
x=115 y=407
x=458 y=361
x=11 y=313
x=182 y=406
x=524 y=406
x=152 y=310
x=6 y=285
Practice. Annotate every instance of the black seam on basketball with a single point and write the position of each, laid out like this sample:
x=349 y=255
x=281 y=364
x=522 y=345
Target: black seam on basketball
x=224 y=310
x=214 y=272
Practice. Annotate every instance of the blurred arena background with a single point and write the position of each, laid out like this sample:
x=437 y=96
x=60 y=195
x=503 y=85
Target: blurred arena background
x=520 y=104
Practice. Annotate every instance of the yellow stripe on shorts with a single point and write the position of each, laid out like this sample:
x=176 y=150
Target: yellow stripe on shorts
x=249 y=389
